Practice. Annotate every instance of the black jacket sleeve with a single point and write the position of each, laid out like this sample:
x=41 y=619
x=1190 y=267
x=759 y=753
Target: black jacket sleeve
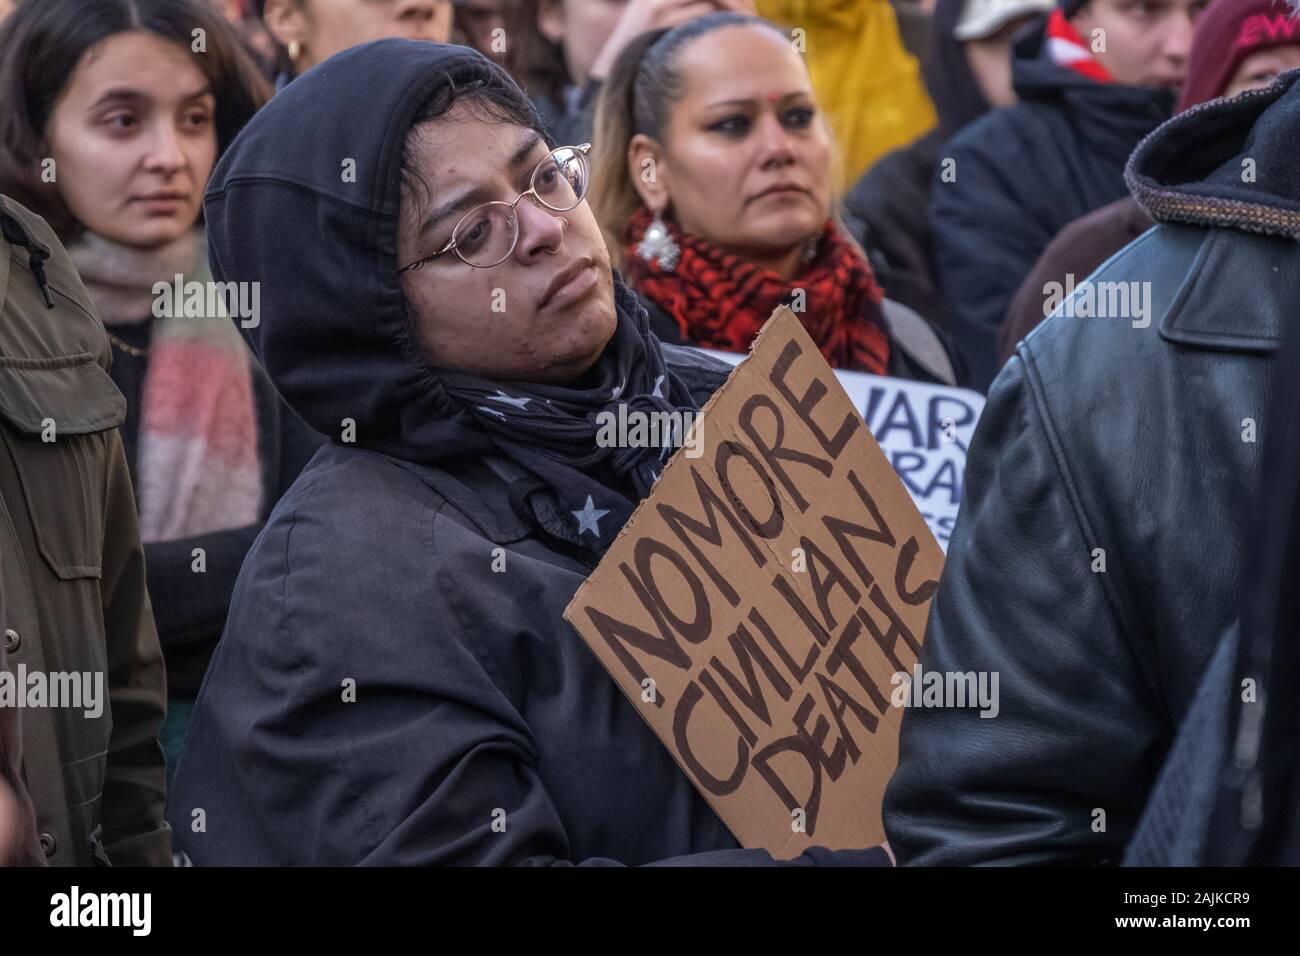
x=1061 y=773
x=986 y=242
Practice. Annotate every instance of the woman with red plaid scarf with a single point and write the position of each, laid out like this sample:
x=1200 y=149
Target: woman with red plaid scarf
x=713 y=182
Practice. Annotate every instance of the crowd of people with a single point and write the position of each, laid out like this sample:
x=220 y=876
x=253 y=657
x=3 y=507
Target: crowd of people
x=244 y=511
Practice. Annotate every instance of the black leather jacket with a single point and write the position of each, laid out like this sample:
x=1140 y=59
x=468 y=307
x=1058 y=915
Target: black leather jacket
x=1103 y=439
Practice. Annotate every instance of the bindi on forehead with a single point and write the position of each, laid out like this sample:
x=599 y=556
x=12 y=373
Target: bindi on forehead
x=746 y=99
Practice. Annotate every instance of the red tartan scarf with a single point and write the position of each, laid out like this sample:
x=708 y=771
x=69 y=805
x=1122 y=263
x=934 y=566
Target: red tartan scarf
x=1069 y=49
x=720 y=301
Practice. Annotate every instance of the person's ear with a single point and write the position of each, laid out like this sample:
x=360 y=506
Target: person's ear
x=550 y=20
x=286 y=21
x=646 y=166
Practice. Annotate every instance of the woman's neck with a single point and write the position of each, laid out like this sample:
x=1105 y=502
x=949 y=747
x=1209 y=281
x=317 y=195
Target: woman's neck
x=786 y=264
x=120 y=277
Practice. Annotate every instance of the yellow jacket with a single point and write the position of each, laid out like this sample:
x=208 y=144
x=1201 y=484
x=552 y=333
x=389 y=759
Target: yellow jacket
x=869 y=86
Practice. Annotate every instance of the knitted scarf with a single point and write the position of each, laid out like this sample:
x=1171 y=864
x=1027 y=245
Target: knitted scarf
x=1067 y=47
x=720 y=301
x=197 y=465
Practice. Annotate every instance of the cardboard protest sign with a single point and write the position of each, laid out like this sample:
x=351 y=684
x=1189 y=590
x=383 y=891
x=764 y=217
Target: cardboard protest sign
x=759 y=602
x=925 y=431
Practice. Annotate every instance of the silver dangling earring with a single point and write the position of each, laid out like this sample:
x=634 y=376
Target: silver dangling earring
x=657 y=243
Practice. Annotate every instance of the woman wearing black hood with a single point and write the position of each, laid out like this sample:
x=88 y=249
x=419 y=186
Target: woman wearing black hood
x=396 y=684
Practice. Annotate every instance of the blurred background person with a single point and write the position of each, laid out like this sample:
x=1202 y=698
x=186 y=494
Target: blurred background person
x=712 y=182
x=309 y=31
x=967 y=74
x=1021 y=174
x=477 y=23
x=865 y=81
x=915 y=22
x=243 y=19
x=564 y=50
x=1239 y=45
x=131 y=121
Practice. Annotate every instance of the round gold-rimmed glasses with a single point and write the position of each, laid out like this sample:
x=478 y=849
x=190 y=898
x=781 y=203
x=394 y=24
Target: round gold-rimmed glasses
x=487 y=234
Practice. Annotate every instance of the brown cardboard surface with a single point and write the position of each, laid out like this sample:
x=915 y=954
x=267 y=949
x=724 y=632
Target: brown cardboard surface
x=759 y=602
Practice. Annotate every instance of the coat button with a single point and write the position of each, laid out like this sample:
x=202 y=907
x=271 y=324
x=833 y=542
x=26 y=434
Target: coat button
x=48 y=844
x=12 y=640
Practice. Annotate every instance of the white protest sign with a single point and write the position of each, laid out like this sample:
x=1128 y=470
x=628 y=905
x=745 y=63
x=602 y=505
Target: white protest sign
x=925 y=431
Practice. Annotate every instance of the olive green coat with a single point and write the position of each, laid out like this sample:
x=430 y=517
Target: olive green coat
x=72 y=572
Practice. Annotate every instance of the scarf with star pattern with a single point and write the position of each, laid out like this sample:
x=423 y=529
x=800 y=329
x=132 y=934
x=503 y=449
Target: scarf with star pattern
x=578 y=487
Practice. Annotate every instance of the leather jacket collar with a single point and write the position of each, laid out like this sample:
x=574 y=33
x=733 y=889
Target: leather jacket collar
x=1212 y=309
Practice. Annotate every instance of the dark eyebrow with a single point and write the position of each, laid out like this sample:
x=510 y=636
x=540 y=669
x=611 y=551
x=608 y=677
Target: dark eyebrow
x=750 y=102
x=479 y=193
x=118 y=94
x=125 y=94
